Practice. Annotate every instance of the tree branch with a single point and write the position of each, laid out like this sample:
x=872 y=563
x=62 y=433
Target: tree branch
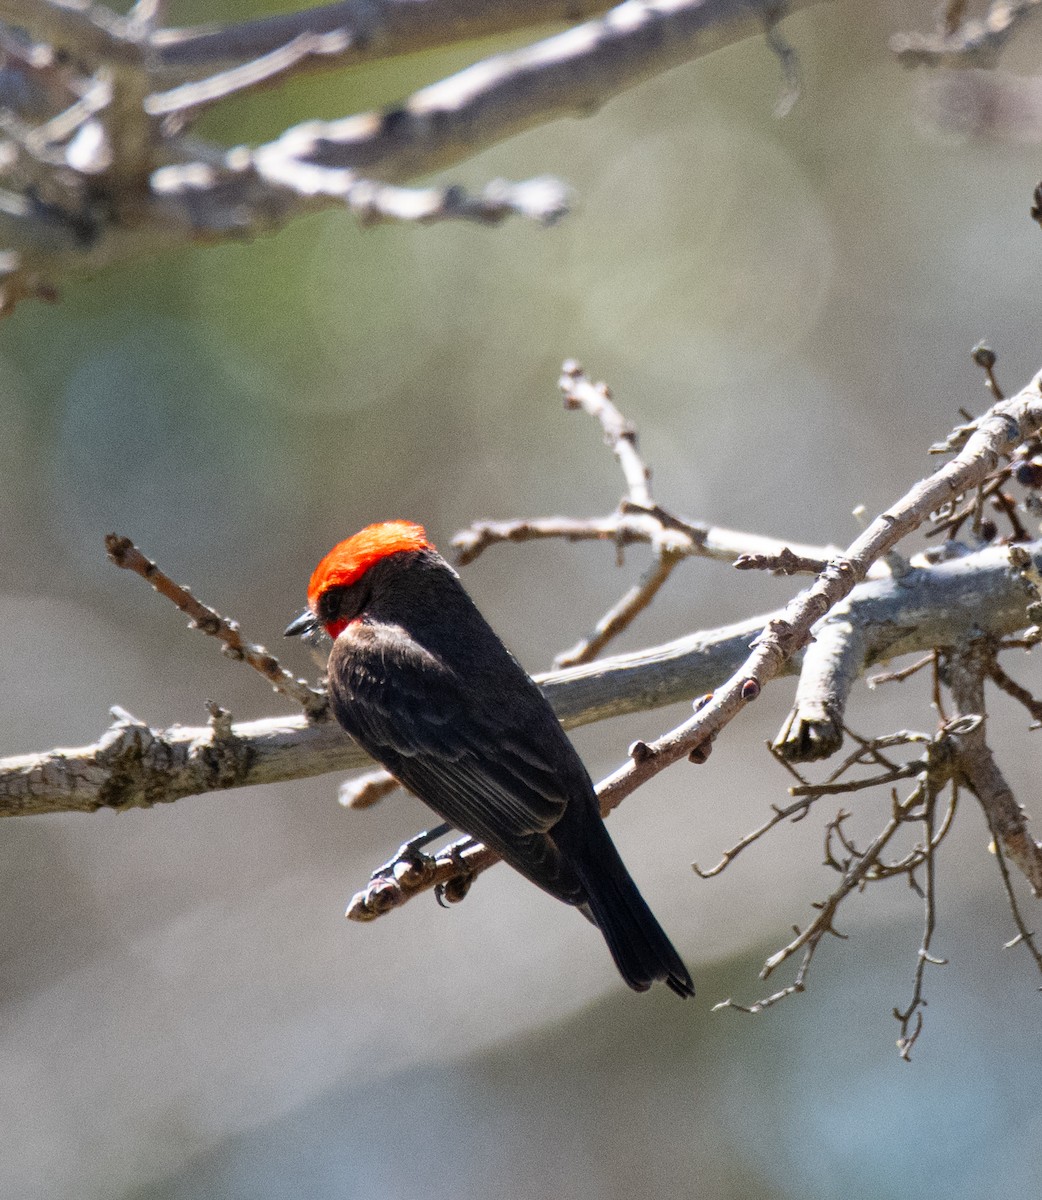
x=959 y=43
x=980 y=446
x=125 y=554
x=370 y=30
x=131 y=184
x=936 y=605
x=968 y=667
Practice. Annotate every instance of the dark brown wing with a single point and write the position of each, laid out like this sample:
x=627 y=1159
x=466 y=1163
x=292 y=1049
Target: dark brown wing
x=478 y=756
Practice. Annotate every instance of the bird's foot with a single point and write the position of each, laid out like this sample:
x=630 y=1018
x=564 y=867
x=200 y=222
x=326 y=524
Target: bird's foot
x=453 y=890
x=409 y=863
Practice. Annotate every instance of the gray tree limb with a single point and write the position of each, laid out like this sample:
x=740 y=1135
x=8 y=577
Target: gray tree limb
x=135 y=766
x=85 y=185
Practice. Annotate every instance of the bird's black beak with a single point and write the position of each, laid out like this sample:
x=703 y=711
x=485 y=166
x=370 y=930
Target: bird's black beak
x=307 y=622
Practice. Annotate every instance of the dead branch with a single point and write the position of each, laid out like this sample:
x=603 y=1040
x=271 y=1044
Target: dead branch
x=89 y=183
x=968 y=667
x=1003 y=427
x=981 y=445
x=125 y=554
x=638 y=519
x=370 y=30
x=957 y=754
x=964 y=43
x=911 y=1017
x=791 y=812
x=939 y=604
x=1024 y=935
x=831 y=664
x=632 y=527
x=785 y=562
x=858 y=868
x=1021 y=694
x=621 y=437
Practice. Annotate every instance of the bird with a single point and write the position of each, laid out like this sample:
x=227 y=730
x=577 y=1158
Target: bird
x=423 y=684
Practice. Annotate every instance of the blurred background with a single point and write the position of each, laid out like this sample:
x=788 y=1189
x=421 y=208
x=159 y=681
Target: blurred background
x=785 y=308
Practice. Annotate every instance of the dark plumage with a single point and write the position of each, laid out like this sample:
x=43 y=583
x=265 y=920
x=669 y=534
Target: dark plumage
x=424 y=685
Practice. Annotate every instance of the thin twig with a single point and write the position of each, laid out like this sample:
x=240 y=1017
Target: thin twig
x=621 y=436
x=783 y=563
x=190 y=98
x=872 y=748
x=906 y=771
x=853 y=875
x=628 y=526
x=997 y=433
x=794 y=812
x=1021 y=694
x=971 y=43
x=1024 y=935
x=618 y=618
x=798 y=985
x=123 y=552
x=909 y=1032
x=900 y=676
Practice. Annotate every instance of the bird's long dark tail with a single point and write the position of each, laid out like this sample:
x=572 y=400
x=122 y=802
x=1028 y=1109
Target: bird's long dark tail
x=640 y=948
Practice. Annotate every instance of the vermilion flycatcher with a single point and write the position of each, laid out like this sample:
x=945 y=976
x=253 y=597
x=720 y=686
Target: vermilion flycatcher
x=420 y=680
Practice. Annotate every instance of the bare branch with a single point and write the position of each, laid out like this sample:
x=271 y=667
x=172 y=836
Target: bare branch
x=124 y=553
x=785 y=562
x=134 y=766
x=366 y=790
x=630 y=527
x=911 y=1018
x=938 y=605
x=370 y=29
x=791 y=812
x=188 y=99
x=133 y=184
x=572 y=73
x=968 y=667
x=907 y=770
x=621 y=435
x=831 y=664
x=1024 y=935
x=1021 y=694
x=618 y=618
x=997 y=433
x=965 y=44
x=860 y=868
x=905 y=673
x=637 y=519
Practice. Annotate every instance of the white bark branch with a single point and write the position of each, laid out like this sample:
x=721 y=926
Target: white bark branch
x=134 y=766
x=369 y=29
x=972 y=43
x=132 y=183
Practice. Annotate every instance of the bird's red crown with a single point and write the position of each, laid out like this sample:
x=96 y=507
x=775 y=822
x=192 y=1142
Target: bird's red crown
x=349 y=560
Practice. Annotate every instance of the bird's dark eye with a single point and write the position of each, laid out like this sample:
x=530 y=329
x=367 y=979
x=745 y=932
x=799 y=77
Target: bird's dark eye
x=341 y=603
